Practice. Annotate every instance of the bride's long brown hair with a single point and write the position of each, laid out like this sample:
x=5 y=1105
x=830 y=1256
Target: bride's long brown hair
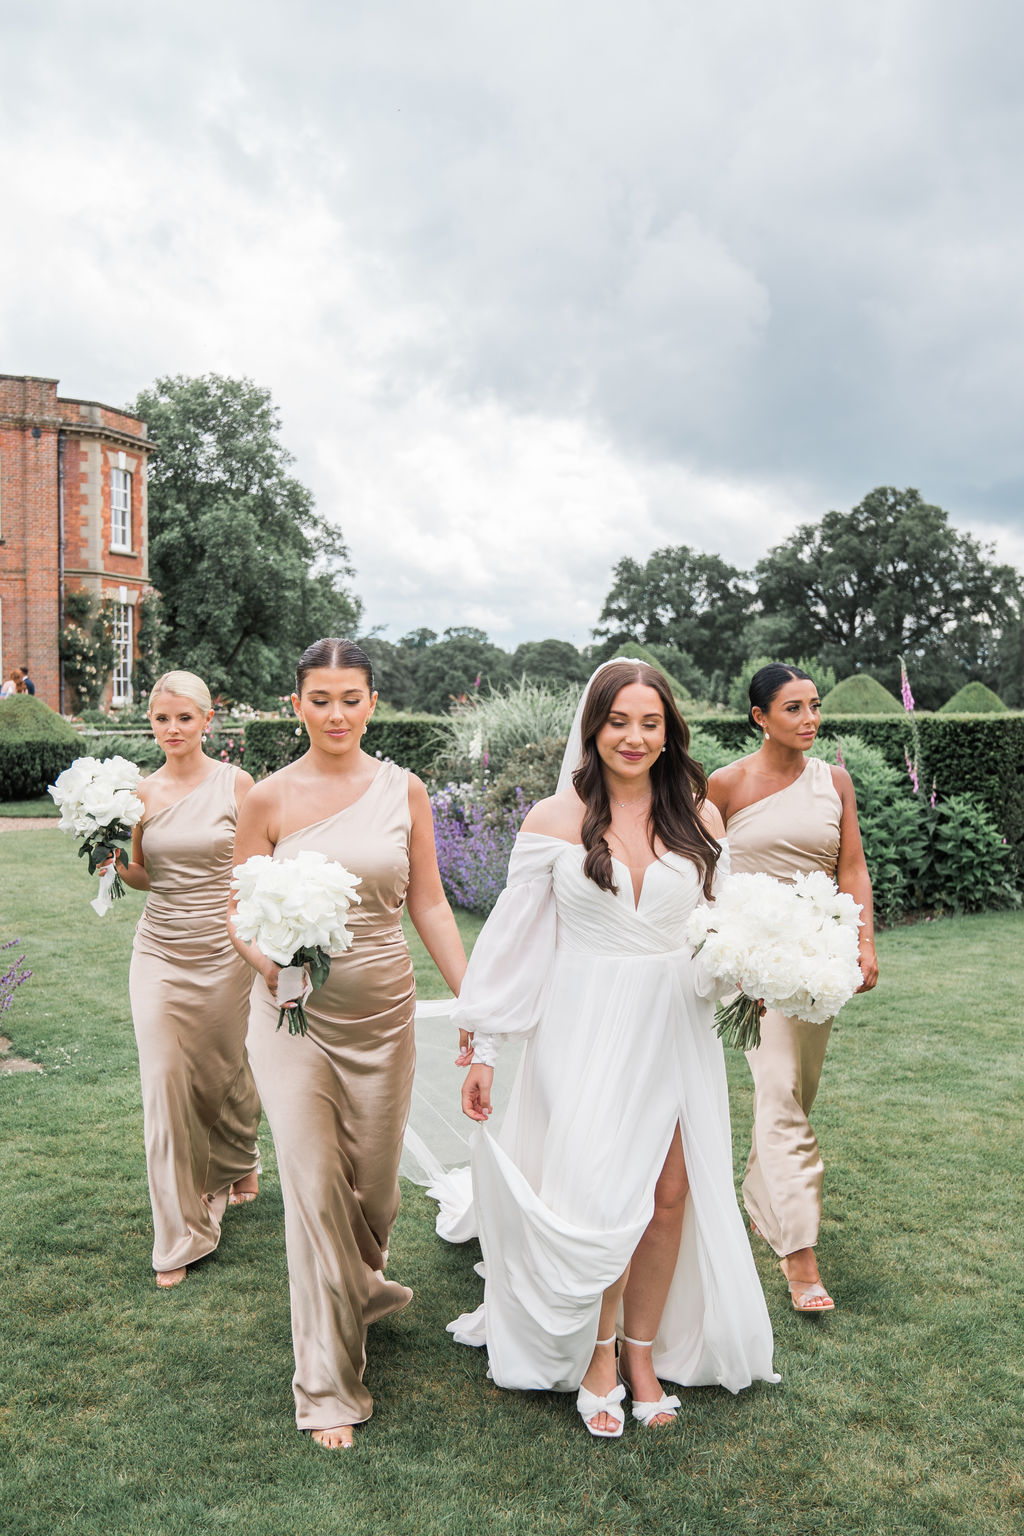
x=679 y=784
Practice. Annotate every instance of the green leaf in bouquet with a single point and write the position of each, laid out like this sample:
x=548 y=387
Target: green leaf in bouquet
x=317 y=961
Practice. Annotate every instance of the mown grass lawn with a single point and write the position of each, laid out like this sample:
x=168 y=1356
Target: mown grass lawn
x=123 y=1409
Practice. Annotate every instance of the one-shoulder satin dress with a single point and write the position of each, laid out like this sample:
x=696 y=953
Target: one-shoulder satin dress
x=337 y=1100
x=190 y=1006
x=795 y=831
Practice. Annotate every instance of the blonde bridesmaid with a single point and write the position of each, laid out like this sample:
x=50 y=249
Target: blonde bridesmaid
x=189 y=989
x=786 y=814
x=338 y=1098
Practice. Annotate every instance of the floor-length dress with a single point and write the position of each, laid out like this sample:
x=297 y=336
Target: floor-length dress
x=190 y=1005
x=620 y=1050
x=337 y=1101
x=794 y=831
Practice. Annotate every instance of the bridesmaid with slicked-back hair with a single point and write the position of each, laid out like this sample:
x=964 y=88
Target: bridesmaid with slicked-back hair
x=338 y=1098
x=786 y=814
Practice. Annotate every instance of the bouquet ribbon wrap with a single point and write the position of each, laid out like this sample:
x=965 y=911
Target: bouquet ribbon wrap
x=104 y=898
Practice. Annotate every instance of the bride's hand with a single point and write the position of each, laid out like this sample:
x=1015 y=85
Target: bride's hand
x=465 y=1056
x=476 y=1092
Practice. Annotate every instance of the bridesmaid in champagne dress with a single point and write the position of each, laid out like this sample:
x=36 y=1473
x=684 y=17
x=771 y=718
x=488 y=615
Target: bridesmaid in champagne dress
x=189 y=990
x=338 y=1098
x=787 y=815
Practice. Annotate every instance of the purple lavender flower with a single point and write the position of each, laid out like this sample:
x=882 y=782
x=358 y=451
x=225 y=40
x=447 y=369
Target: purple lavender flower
x=474 y=842
x=840 y=759
x=12 y=977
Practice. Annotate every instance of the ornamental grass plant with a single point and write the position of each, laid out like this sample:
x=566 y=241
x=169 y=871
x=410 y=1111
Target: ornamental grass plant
x=126 y=1411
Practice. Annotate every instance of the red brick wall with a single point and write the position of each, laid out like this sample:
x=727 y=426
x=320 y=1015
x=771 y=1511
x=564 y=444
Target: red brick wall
x=29 y=554
x=31 y=414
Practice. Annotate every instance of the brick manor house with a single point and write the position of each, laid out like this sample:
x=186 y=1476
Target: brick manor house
x=72 y=516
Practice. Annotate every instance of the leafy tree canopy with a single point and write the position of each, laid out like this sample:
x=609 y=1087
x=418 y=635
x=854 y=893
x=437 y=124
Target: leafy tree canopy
x=248 y=572
x=457 y=667
x=550 y=661
x=891 y=578
x=695 y=603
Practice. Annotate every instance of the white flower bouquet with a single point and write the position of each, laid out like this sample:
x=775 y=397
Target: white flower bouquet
x=790 y=947
x=98 y=803
x=295 y=910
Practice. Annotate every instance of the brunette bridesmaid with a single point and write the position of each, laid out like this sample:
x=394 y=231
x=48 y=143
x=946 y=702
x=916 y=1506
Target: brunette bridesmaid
x=786 y=814
x=189 y=989
x=338 y=1098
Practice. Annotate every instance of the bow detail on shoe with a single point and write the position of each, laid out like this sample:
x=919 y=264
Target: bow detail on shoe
x=645 y=1412
x=589 y=1405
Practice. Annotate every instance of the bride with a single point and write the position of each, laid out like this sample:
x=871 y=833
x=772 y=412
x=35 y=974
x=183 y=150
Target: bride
x=606 y=1200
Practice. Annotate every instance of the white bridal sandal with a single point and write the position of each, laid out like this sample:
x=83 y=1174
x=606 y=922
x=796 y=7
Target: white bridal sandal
x=589 y=1405
x=645 y=1412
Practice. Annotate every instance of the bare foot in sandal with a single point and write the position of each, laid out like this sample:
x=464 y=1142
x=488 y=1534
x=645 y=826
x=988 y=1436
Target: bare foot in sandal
x=337 y=1439
x=805 y=1287
x=245 y=1190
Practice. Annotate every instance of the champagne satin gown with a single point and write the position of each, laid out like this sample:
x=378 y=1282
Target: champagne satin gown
x=794 y=831
x=337 y=1100
x=190 y=1005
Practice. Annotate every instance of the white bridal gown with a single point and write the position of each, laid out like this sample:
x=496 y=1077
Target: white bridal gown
x=620 y=1048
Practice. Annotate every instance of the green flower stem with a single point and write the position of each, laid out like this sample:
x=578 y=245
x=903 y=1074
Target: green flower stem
x=739 y=1023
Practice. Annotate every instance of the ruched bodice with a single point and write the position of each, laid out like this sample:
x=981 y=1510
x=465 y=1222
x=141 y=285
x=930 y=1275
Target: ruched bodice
x=793 y=832
x=188 y=853
x=612 y=923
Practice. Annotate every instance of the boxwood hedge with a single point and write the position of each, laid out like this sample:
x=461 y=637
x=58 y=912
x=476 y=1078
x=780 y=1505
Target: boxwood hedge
x=35 y=746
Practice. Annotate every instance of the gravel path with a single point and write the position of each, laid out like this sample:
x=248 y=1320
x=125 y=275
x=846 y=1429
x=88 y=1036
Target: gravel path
x=26 y=823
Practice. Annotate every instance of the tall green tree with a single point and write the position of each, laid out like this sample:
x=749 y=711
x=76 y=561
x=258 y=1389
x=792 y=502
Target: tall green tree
x=891 y=578
x=460 y=665
x=248 y=571
x=550 y=661
x=696 y=603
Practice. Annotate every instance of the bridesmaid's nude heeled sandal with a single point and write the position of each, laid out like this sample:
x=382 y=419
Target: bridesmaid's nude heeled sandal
x=589 y=1405
x=645 y=1412
x=808 y=1296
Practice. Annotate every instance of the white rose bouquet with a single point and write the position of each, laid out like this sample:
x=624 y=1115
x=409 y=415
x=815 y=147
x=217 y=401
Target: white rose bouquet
x=295 y=910
x=98 y=803
x=790 y=947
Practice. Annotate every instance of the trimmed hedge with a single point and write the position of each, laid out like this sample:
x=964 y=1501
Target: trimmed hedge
x=411 y=741
x=35 y=746
x=860 y=695
x=974 y=699
x=960 y=754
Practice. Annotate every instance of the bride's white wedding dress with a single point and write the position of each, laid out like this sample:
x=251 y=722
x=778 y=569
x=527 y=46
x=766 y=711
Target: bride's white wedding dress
x=620 y=1049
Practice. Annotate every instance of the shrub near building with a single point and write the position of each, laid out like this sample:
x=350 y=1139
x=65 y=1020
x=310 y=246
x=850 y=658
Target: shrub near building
x=35 y=746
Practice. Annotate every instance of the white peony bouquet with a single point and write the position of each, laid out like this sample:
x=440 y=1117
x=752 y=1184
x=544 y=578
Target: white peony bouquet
x=295 y=910
x=98 y=803
x=790 y=947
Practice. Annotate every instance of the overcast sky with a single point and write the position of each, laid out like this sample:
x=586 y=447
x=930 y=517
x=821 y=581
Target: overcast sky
x=537 y=285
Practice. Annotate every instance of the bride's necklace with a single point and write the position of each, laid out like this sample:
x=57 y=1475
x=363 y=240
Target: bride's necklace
x=625 y=804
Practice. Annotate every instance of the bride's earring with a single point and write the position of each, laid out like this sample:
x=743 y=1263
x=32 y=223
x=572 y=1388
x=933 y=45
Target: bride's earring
x=766 y=736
